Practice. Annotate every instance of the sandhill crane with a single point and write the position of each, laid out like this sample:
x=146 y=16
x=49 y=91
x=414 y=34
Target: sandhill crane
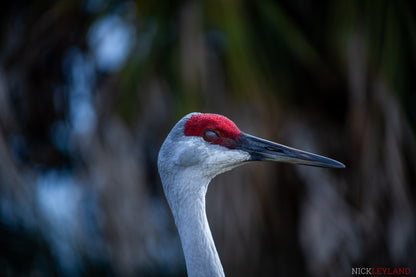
x=199 y=147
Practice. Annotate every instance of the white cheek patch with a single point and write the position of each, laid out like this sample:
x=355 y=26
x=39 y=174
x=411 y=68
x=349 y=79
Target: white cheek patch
x=211 y=159
x=222 y=159
x=223 y=156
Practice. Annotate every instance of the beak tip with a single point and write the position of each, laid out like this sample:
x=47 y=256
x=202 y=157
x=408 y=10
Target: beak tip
x=339 y=165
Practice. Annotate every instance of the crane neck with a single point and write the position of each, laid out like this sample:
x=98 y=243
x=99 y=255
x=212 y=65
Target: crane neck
x=191 y=220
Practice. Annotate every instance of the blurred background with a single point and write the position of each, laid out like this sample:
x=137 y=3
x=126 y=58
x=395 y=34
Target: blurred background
x=90 y=89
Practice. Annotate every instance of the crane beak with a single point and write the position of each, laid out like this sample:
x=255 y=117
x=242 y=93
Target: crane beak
x=264 y=150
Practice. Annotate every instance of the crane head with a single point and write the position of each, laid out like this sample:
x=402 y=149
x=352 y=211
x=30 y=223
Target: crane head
x=205 y=145
x=199 y=147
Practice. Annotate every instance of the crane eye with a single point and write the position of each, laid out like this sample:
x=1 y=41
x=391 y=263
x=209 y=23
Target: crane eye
x=210 y=136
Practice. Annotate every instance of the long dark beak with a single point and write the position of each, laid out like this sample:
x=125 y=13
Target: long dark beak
x=264 y=150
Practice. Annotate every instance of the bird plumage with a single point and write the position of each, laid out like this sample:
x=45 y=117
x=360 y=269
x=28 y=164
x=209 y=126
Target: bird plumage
x=186 y=166
x=199 y=147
